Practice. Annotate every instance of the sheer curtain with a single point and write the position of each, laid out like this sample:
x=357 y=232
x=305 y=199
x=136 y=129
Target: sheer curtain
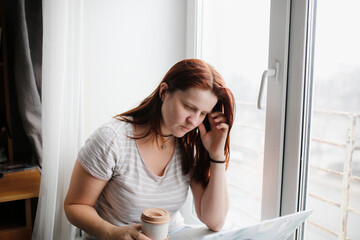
x=61 y=95
x=122 y=49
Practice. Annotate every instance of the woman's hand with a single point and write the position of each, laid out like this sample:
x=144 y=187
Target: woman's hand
x=214 y=140
x=127 y=233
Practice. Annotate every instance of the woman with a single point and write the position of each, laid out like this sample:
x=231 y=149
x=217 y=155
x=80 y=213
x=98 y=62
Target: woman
x=149 y=156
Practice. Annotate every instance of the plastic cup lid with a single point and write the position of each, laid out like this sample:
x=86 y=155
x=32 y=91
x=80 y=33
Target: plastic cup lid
x=155 y=216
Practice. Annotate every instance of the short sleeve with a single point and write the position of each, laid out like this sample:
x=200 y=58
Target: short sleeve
x=100 y=153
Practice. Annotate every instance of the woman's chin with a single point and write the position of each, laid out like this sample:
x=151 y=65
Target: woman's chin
x=180 y=134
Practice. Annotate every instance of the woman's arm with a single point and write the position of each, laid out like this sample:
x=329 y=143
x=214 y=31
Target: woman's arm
x=212 y=202
x=79 y=205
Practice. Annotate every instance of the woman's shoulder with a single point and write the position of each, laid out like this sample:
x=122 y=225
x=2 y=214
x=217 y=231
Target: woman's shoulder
x=113 y=131
x=118 y=127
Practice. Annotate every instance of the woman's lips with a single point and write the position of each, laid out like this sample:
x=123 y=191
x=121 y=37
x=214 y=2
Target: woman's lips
x=186 y=128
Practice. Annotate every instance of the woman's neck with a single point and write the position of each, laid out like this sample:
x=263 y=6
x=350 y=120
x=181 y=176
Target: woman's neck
x=142 y=132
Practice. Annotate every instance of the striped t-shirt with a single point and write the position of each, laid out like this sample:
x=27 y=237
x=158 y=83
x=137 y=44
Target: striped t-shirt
x=109 y=154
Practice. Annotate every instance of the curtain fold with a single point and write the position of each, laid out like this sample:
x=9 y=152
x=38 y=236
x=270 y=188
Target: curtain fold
x=61 y=113
x=25 y=22
x=28 y=54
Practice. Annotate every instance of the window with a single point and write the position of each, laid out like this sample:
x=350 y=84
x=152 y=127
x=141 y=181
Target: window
x=302 y=150
x=333 y=185
x=235 y=39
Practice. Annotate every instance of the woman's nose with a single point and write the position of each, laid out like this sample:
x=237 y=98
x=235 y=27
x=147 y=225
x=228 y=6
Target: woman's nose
x=194 y=120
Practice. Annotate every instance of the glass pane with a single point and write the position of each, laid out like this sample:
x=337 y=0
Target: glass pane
x=333 y=188
x=235 y=41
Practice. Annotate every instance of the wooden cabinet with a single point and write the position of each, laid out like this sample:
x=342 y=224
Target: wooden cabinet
x=17 y=191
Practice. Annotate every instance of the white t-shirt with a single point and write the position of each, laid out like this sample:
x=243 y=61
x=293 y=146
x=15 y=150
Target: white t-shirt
x=109 y=154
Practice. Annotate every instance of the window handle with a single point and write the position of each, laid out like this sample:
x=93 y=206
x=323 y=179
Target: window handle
x=273 y=72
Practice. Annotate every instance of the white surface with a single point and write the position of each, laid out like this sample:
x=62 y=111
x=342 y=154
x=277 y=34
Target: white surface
x=129 y=47
x=276 y=228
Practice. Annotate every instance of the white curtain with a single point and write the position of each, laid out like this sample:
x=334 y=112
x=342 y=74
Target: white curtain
x=122 y=49
x=61 y=109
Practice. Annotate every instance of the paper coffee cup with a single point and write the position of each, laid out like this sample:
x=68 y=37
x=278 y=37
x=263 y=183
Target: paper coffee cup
x=155 y=223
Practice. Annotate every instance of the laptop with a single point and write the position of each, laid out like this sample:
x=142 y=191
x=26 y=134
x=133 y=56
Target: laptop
x=273 y=229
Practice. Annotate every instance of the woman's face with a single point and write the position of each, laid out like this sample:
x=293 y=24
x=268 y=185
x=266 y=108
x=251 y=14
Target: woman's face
x=183 y=111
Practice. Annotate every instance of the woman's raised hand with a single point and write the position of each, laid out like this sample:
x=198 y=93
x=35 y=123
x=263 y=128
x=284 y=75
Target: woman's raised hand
x=215 y=139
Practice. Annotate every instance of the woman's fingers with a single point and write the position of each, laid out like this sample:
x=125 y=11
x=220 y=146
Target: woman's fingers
x=218 y=117
x=219 y=121
x=137 y=227
x=137 y=233
x=139 y=236
x=223 y=126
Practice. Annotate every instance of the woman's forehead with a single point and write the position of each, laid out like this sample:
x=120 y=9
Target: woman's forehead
x=205 y=100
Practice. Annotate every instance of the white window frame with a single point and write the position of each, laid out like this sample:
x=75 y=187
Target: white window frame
x=284 y=154
x=194 y=10
x=298 y=109
x=275 y=109
x=288 y=110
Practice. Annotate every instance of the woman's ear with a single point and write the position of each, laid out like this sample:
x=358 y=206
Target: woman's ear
x=163 y=87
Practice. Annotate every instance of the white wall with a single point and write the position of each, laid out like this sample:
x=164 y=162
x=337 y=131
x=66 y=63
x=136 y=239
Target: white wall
x=129 y=45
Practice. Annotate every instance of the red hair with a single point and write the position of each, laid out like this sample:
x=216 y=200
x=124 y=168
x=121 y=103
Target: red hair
x=183 y=75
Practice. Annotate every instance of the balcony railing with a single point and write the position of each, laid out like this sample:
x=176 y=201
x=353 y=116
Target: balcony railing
x=350 y=146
